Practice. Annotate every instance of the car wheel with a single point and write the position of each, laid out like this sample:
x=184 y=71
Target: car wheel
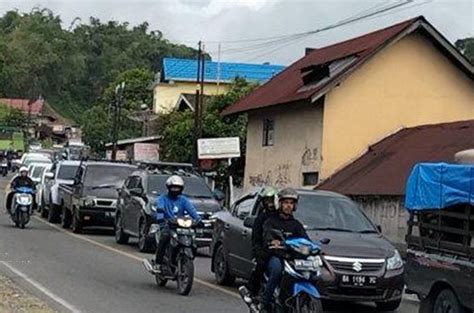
x=388 y=306
x=53 y=214
x=76 y=223
x=43 y=211
x=66 y=218
x=221 y=268
x=120 y=236
x=447 y=302
x=144 y=244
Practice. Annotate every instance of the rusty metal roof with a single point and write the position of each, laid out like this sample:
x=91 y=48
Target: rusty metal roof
x=22 y=105
x=288 y=87
x=384 y=168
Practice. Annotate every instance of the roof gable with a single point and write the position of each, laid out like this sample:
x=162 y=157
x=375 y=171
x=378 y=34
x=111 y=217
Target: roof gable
x=384 y=168
x=186 y=70
x=288 y=86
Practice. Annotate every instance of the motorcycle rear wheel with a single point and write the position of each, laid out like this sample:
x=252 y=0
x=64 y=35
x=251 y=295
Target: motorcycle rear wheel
x=185 y=275
x=308 y=304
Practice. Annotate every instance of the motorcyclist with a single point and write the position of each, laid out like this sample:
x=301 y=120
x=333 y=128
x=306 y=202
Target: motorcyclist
x=266 y=205
x=169 y=207
x=285 y=223
x=21 y=180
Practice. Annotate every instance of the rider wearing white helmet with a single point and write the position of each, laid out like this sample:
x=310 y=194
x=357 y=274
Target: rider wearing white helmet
x=169 y=207
x=21 y=180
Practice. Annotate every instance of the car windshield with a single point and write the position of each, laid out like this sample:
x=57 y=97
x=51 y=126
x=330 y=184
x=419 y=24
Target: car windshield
x=67 y=171
x=37 y=160
x=38 y=171
x=99 y=175
x=194 y=187
x=318 y=212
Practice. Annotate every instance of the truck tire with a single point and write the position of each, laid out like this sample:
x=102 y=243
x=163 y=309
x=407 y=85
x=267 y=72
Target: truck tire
x=120 y=236
x=221 y=268
x=53 y=214
x=447 y=302
x=76 y=223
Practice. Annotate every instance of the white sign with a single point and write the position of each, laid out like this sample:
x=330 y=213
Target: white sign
x=146 y=152
x=219 y=148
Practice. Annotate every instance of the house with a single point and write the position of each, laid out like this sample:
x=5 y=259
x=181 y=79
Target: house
x=178 y=76
x=327 y=108
x=34 y=108
x=137 y=149
x=376 y=180
x=187 y=101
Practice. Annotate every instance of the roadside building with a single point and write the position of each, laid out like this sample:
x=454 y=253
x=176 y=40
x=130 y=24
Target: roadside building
x=327 y=108
x=376 y=179
x=178 y=76
x=136 y=149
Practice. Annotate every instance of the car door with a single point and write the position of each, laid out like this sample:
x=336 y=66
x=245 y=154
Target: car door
x=49 y=182
x=136 y=205
x=239 y=236
x=126 y=205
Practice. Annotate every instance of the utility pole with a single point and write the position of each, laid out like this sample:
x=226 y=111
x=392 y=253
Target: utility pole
x=117 y=106
x=197 y=122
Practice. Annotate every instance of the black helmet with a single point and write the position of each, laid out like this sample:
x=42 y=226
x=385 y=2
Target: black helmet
x=267 y=197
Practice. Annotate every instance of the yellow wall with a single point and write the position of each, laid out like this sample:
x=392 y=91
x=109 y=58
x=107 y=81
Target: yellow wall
x=296 y=148
x=166 y=95
x=408 y=84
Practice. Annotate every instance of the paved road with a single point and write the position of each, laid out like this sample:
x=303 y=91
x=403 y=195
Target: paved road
x=90 y=273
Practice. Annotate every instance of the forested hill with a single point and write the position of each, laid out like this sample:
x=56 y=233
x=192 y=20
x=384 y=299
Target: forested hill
x=72 y=65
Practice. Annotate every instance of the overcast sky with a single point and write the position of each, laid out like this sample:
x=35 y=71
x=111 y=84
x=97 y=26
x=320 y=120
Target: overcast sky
x=187 y=21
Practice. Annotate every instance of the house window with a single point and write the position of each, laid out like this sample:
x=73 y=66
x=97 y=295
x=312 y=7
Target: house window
x=268 y=132
x=310 y=178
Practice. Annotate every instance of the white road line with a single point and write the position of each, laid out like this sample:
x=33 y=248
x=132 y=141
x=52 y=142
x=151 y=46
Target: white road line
x=42 y=288
x=132 y=256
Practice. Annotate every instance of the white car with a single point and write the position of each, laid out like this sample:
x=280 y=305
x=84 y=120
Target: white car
x=36 y=171
x=30 y=158
x=62 y=173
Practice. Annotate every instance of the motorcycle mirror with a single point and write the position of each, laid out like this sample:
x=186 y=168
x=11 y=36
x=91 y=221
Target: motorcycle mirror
x=325 y=241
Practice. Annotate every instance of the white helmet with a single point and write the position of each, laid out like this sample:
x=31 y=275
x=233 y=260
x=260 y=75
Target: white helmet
x=175 y=180
x=23 y=169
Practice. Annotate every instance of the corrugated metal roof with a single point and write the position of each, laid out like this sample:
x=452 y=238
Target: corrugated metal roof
x=288 y=87
x=186 y=70
x=22 y=104
x=384 y=168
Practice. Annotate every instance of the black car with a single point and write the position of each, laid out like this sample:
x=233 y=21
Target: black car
x=135 y=208
x=91 y=199
x=359 y=263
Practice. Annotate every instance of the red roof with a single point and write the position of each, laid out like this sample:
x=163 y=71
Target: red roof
x=384 y=168
x=22 y=104
x=288 y=87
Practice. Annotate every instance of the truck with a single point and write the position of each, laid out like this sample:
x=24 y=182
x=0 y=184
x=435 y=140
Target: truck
x=440 y=239
x=91 y=199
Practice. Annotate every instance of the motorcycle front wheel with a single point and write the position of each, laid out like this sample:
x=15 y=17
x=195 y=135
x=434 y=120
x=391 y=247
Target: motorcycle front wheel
x=307 y=304
x=23 y=217
x=185 y=275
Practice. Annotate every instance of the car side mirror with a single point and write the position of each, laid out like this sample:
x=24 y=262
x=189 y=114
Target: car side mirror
x=249 y=221
x=76 y=181
x=136 y=192
x=325 y=241
x=379 y=228
x=49 y=175
x=218 y=195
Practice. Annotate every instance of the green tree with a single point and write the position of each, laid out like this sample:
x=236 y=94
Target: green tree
x=177 y=129
x=97 y=121
x=466 y=46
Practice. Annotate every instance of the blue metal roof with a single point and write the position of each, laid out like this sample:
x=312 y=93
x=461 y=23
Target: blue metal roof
x=186 y=70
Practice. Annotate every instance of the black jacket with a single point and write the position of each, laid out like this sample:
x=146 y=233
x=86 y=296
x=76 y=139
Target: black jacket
x=290 y=227
x=257 y=235
x=21 y=181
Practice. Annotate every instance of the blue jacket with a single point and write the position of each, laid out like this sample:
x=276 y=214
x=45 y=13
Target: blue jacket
x=167 y=209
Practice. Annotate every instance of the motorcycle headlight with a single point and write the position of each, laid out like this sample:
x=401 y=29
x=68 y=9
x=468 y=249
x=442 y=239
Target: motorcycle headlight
x=395 y=262
x=24 y=199
x=152 y=207
x=185 y=223
x=303 y=249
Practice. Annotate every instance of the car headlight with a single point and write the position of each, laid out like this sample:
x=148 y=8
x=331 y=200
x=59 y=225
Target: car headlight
x=395 y=262
x=185 y=223
x=89 y=201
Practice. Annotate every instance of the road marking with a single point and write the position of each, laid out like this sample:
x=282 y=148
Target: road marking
x=42 y=288
x=131 y=256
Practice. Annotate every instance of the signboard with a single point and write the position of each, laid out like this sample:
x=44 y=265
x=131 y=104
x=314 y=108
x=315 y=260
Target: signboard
x=219 y=148
x=146 y=152
x=122 y=155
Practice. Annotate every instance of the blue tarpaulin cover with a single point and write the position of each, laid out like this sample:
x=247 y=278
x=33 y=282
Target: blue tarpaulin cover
x=439 y=185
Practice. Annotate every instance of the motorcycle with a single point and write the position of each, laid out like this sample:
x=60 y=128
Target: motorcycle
x=178 y=262
x=301 y=268
x=22 y=206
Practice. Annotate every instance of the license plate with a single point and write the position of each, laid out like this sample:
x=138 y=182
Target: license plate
x=304 y=265
x=359 y=281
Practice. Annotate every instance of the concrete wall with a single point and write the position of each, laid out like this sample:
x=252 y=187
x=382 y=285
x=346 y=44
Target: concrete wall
x=408 y=84
x=166 y=95
x=389 y=213
x=296 y=149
